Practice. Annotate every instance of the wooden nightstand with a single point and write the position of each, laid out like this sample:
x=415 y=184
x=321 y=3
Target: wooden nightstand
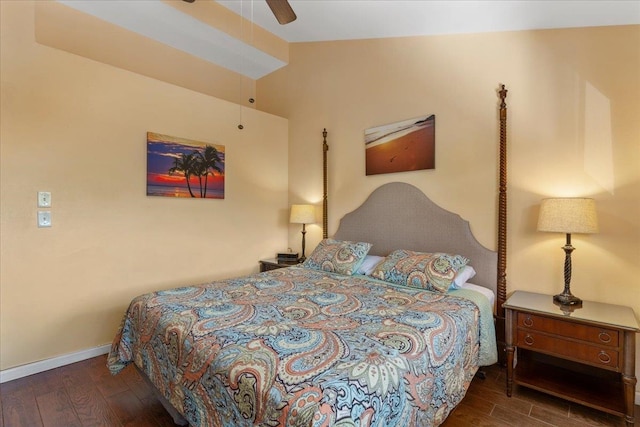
x=272 y=264
x=586 y=355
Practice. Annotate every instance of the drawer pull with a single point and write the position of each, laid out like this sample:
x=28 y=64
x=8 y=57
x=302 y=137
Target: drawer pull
x=604 y=337
x=604 y=357
x=528 y=340
x=528 y=322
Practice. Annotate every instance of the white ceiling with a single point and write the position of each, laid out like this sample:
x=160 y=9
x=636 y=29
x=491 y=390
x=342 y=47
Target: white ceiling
x=323 y=20
x=161 y=22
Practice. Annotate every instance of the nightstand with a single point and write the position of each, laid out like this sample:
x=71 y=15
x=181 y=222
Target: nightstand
x=272 y=264
x=585 y=355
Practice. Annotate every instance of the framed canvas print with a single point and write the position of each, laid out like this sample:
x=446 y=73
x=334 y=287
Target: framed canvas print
x=179 y=167
x=403 y=146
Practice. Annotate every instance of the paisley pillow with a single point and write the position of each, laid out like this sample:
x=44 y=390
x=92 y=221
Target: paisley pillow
x=337 y=256
x=430 y=271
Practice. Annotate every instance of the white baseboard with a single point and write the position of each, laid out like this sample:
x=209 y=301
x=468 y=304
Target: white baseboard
x=54 y=362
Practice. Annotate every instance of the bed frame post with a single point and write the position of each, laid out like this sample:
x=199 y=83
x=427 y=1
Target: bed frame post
x=502 y=231
x=325 y=148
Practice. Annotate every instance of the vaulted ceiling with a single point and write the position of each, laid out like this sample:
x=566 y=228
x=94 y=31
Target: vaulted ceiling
x=323 y=20
x=191 y=27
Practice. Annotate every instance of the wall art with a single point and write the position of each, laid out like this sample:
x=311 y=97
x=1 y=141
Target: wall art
x=408 y=145
x=179 y=167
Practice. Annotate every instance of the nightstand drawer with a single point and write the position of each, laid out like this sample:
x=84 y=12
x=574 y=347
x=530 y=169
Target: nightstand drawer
x=583 y=352
x=273 y=264
x=593 y=334
x=269 y=266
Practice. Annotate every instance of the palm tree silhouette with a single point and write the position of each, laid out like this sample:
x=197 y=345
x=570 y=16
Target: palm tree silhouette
x=199 y=170
x=185 y=164
x=207 y=160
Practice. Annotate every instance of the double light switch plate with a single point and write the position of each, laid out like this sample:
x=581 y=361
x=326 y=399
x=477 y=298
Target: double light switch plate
x=44 y=201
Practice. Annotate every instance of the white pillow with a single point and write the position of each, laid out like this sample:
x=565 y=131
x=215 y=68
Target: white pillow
x=462 y=277
x=369 y=264
x=484 y=291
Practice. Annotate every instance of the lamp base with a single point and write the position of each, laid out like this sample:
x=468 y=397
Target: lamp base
x=567 y=299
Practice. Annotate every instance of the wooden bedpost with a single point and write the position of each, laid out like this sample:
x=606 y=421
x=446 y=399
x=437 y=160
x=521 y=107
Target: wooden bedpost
x=325 y=148
x=502 y=230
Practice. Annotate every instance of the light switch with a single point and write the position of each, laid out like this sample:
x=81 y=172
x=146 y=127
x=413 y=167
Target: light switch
x=44 y=199
x=44 y=219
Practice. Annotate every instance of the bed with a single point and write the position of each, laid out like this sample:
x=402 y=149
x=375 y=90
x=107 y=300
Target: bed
x=378 y=327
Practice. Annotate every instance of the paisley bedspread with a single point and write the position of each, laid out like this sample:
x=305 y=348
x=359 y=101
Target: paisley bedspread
x=300 y=347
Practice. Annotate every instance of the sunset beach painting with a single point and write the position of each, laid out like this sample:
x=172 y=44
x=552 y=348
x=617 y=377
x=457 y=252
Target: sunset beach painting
x=408 y=145
x=178 y=167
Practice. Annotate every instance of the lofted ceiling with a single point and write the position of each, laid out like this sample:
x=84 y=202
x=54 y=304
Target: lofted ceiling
x=324 y=20
x=171 y=23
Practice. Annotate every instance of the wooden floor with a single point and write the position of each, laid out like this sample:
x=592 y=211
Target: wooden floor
x=486 y=404
x=85 y=394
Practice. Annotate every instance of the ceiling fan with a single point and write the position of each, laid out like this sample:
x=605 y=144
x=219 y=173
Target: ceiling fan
x=281 y=10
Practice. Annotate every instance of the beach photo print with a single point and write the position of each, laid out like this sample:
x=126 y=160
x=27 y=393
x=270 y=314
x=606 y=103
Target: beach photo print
x=178 y=167
x=403 y=146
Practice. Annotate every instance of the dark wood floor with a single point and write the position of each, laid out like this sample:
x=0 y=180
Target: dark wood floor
x=85 y=394
x=486 y=404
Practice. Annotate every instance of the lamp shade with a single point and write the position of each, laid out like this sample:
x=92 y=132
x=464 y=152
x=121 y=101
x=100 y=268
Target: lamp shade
x=568 y=215
x=302 y=214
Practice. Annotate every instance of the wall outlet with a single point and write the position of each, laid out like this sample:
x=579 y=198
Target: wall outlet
x=44 y=219
x=44 y=199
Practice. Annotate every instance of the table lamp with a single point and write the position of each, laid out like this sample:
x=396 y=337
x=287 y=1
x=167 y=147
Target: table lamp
x=302 y=214
x=568 y=215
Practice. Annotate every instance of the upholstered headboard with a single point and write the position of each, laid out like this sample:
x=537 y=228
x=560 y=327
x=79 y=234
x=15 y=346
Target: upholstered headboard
x=400 y=216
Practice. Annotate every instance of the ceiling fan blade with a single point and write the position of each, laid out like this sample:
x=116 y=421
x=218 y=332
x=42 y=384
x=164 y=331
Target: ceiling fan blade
x=280 y=8
x=282 y=11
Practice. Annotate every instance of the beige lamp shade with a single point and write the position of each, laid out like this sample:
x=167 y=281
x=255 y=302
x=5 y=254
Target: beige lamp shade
x=568 y=215
x=302 y=214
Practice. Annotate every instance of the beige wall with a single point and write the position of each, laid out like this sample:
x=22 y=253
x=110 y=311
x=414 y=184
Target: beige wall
x=574 y=130
x=77 y=128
